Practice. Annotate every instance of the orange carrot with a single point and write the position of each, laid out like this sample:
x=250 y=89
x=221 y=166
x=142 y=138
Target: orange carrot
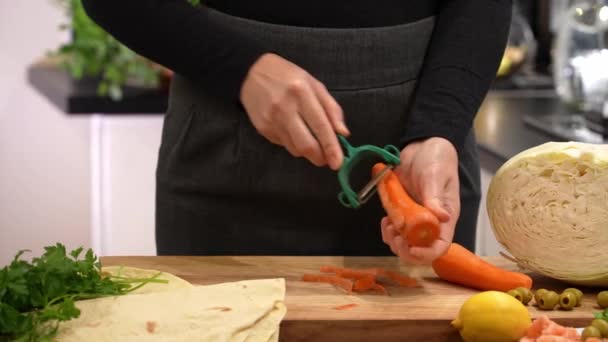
x=344 y=283
x=460 y=266
x=417 y=224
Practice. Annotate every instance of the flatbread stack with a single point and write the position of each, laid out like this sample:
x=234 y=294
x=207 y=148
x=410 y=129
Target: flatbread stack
x=249 y=310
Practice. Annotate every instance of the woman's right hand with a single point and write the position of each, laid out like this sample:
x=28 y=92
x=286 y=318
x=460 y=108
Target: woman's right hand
x=291 y=108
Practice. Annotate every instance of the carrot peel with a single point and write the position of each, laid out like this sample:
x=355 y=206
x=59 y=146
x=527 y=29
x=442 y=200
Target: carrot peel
x=364 y=284
x=345 y=306
x=360 y=280
x=343 y=283
x=349 y=272
x=460 y=266
x=417 y=224
x=380 y=288
x=401 y=279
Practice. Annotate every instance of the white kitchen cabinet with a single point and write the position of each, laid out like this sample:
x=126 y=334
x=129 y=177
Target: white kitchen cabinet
x=123 y=159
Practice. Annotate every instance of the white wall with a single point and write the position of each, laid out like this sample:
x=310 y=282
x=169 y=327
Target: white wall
x=44 y=154
x=70 y=179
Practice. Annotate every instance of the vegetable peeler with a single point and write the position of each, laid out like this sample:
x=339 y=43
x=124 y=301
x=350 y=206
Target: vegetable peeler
x=353 y=155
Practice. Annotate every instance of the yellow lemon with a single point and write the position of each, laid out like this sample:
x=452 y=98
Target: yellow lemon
x=492 y=316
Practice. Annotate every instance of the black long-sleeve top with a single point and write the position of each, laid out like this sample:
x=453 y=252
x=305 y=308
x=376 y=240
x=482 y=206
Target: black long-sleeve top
x=463 y=56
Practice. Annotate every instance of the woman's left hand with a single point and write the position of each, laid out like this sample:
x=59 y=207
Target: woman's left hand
x=429 y=173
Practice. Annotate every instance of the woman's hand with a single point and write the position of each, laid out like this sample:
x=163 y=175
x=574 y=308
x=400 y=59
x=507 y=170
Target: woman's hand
x=292 y=109
x=429 y=172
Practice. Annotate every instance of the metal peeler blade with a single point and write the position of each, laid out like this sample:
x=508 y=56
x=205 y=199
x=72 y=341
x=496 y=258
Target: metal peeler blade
x=389 y=154
x=370 y=188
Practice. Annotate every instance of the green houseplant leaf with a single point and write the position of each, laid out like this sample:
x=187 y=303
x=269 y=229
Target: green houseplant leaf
x=95 y=54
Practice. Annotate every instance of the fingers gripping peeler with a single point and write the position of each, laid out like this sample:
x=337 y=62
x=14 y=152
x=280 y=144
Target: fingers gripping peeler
x=352 y=156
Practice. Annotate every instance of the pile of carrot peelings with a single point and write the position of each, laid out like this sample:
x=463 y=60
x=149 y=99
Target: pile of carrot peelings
x=417 y=224
x=360 y=280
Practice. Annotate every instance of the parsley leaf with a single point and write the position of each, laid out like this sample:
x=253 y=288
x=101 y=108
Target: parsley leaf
x=36 y=296
x=601 y=315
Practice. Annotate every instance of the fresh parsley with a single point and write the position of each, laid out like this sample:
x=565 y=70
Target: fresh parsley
x=36 y=296
x=601 y=315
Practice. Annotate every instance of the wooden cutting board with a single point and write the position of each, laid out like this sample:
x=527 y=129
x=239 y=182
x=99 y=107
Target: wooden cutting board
x=407 y=314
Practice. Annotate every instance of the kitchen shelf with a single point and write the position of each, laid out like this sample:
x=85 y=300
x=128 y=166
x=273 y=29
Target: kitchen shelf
x=80 y=97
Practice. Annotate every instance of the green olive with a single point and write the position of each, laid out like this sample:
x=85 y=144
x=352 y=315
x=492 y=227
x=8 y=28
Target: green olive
x=602 y=299
x=591 y=331
x=579 y=295
x=567 y=300
x=517 y=294
x=548 y=300
x=527 y=294
x=538 y=294
x=601 y=325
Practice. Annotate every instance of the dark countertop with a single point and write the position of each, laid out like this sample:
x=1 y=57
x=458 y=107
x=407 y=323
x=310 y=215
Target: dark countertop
x=500 y=125
x=509 y=122
x=500 y=128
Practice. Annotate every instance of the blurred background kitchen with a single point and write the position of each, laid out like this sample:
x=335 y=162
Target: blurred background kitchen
x=81 y=118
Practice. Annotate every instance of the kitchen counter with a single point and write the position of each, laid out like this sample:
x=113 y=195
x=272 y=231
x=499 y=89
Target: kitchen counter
x=414 y=314
x=500 y=127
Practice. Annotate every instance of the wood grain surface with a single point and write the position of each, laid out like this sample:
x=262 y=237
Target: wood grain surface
x=406 y=314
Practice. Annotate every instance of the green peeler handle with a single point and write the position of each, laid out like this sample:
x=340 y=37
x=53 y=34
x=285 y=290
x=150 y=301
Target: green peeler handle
x=353 y=155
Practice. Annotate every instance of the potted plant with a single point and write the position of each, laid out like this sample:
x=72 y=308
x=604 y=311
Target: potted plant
x=94 y=54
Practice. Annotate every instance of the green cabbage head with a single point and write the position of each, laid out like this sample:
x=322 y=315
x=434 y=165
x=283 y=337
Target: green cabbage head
x=548 y=207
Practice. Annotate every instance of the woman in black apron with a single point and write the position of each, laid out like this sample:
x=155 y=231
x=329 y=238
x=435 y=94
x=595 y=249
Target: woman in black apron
x=407 y=73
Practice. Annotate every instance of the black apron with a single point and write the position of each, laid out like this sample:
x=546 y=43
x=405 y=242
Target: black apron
x=223 y=189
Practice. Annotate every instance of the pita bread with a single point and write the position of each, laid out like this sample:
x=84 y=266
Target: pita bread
x=244 y=311
x=174 y=282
